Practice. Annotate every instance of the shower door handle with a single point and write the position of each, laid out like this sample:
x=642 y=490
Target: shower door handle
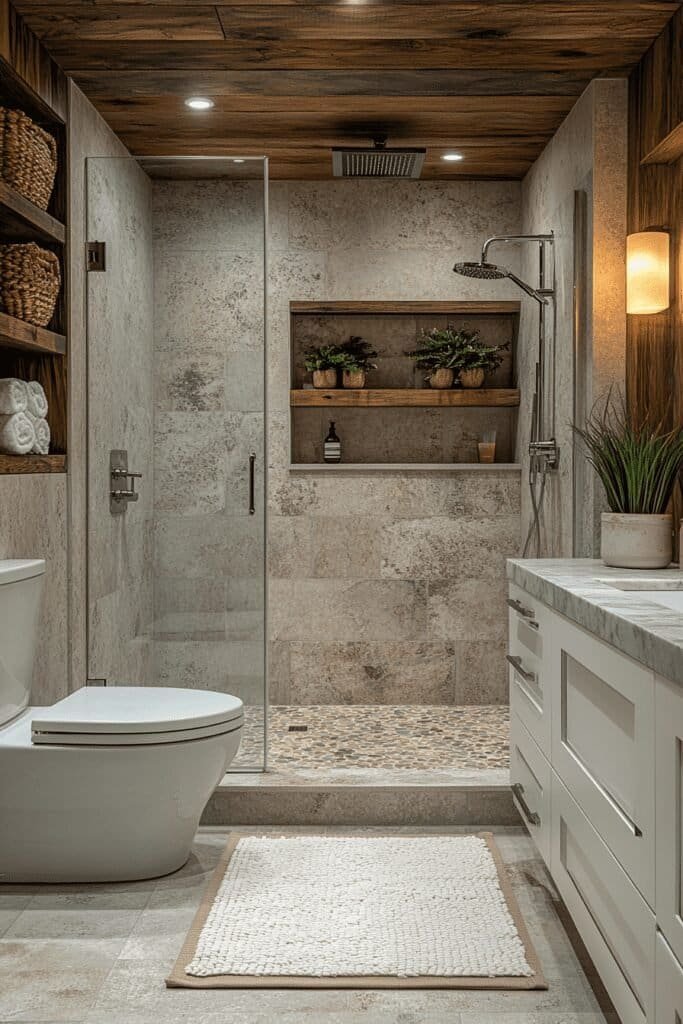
x=252 y=469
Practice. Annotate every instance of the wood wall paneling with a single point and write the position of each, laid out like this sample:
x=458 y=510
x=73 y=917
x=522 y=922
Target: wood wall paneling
x=655 y=199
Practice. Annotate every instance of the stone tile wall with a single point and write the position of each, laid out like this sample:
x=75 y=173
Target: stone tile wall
x=587 y=153
x=385 y=587
x=120 y=416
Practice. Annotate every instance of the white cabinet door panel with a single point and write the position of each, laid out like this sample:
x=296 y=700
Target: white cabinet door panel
x=603 y=744
x=669 y=812
x=530 y=781
x=615 y=923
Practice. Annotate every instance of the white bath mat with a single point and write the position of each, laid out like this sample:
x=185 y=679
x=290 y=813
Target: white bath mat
x=359 y=911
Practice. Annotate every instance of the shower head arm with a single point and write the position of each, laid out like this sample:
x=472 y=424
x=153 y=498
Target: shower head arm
x=532 y=292
x=513 y=238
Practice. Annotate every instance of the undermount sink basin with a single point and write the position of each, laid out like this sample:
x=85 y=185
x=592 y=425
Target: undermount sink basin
x=667 y=593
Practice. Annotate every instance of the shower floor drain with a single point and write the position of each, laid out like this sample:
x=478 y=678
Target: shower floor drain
x=297 y=728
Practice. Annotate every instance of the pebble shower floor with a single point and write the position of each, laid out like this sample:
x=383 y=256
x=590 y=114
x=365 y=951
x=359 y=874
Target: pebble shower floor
x=406 y=736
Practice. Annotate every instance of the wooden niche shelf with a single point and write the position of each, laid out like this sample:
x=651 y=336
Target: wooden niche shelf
x=396 y=420
x=341 y=398
x=32 y=82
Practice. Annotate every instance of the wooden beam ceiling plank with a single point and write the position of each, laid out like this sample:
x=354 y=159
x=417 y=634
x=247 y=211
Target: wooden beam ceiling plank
x=307 y=127
x=350 y=108
x=557 y=20
x=108 y=85
x=596 y=56
x=123 y=24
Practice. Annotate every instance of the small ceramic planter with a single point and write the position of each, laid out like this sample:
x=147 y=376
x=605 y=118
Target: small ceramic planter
x=472 y=378
x=324 y=379
x=441 y=378
x=353 y=378
x=636 y=541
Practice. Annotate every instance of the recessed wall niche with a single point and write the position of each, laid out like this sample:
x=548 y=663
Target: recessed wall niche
x=397 y=418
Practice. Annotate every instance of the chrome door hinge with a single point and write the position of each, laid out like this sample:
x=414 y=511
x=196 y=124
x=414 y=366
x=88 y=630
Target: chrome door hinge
x=96 y=256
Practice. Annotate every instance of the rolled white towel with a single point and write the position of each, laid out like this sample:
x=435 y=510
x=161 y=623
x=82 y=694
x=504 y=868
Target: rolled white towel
x=17 y=435
x=41 y=428
x=13 y=396
x=37 y=402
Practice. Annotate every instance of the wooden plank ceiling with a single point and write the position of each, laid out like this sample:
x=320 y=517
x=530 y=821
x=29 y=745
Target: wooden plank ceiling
x=291 y=78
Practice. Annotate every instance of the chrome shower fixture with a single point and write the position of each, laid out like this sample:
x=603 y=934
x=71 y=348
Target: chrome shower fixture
x=543 y=449
x=491 y=272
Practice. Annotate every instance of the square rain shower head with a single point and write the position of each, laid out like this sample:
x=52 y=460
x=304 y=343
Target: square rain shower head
x=377 y=162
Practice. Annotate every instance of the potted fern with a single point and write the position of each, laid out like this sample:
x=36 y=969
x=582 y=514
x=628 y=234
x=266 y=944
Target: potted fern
x=323 y=362
x=638 y=466
x=438 y=355
x=475 y=359
x=449 y=352
x=357 y=355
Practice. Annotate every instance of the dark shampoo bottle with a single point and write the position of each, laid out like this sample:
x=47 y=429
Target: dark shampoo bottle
x=332 y=446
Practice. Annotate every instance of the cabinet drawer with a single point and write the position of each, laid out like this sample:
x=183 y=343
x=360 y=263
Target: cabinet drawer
x=603 y=744
x=528 y=639
x=615 y=923
x=668 y=985
x=530 y=780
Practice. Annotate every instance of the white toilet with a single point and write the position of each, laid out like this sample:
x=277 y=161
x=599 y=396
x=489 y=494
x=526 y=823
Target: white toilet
x=109 y=783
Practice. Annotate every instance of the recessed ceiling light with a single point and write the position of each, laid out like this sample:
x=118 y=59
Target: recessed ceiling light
x=452 y=157
x=237 y=160
x=199 y=103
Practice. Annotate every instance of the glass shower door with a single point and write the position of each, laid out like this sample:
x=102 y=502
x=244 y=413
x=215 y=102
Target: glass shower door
x=176 y=381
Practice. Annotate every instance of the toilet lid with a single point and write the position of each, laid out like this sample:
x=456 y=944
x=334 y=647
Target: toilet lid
x=136 y=714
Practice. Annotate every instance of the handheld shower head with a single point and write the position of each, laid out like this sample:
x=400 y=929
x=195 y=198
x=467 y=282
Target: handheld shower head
x=490 y=272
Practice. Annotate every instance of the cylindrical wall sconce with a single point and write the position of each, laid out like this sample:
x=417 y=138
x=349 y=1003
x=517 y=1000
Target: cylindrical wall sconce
x=647 y=272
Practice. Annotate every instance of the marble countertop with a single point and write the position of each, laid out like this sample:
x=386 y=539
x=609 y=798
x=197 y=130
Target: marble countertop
x=579 y=588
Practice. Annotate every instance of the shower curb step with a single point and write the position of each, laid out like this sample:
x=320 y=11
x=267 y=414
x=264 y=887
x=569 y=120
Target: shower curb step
x=361 y=799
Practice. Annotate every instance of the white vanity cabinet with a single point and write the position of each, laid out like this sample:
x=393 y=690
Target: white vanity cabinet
x=669 y=983
x=596 y=765
x=669 y=814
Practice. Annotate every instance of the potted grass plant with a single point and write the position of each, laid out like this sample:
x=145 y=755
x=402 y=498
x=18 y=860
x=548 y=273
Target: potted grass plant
x=638 y=465
x=357 y=360
x=324 y=362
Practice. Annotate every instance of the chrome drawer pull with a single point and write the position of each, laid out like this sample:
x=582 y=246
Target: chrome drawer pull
x=526 y=613
x=531 y=816
x=528 y=677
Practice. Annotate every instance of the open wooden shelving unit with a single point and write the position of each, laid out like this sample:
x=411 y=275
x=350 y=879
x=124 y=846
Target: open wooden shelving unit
x=367 y=398
x=21 y=220
x=30 y=81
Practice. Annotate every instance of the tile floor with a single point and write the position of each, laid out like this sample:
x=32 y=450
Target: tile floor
x=411 y=737
x=99 y=954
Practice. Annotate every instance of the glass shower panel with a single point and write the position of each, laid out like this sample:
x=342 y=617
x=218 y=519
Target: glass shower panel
x=176 y=352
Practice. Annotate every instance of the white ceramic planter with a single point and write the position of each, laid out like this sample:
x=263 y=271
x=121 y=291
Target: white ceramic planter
x=636 y=541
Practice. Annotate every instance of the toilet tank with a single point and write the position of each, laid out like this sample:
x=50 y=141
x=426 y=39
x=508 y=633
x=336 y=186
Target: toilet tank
x=21 y=585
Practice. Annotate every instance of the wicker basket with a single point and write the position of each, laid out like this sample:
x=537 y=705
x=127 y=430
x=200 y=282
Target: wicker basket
x=28 y=156
x=30 y=279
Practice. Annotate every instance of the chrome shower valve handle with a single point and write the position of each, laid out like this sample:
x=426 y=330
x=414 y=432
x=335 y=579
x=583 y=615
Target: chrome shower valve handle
x=119 y=497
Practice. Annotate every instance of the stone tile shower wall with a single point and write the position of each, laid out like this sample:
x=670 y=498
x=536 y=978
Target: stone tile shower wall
x=384 y=587
x=120 y=415
x=208 y=340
